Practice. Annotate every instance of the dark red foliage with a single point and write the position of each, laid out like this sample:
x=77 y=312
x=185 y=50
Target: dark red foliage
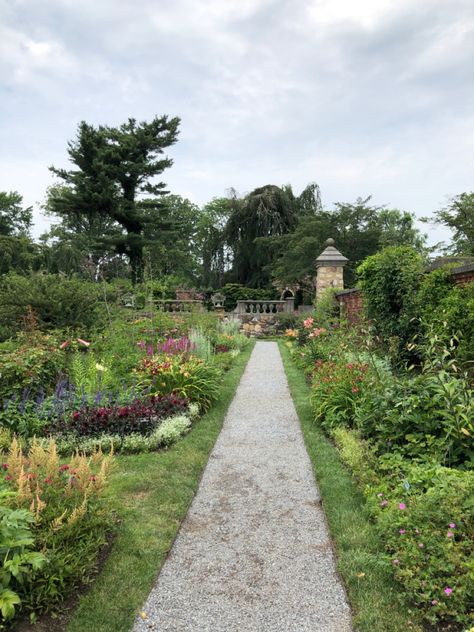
x=141 y=415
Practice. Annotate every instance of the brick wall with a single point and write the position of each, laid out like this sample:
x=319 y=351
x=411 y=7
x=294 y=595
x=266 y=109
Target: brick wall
x=463 y=274
x=351 y=305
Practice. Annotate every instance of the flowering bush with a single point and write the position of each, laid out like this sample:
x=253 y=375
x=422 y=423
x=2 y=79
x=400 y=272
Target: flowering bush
x=70 y=516
x=187 y=377
x=140 y=416
x=336 y=388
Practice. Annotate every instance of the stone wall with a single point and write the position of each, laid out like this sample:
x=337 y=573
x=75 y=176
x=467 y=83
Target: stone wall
x=258 y=324
x=329 y=277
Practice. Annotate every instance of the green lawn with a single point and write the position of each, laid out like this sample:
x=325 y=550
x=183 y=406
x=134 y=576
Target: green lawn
x=371 y=590
x=151 y=493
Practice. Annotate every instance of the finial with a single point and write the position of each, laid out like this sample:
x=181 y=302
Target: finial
x=329 y=242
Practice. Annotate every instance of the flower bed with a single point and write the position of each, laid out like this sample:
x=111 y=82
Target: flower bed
x=407 y=438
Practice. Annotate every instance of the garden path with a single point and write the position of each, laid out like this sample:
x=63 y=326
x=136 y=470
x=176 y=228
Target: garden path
x=253 y=553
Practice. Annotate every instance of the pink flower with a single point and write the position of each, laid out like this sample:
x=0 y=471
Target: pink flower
x=450 y=534
x=308 y=323
x=402 y=506
x=83 y=342
x=401 y=531
x=4 y=466
x=64 y=344
x=452 y=525
x=434 y=602
x=384 y=503
x=395 y=561
x=380 y=495
x=448 y=590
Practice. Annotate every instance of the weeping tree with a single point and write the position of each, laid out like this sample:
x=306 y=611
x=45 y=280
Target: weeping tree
x=113 y=183
x=256 y=219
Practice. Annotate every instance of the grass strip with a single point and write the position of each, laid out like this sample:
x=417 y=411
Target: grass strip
x=372 y=592
x=151 y=493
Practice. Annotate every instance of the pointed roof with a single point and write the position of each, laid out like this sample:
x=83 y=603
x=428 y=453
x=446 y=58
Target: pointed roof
x=331 y=256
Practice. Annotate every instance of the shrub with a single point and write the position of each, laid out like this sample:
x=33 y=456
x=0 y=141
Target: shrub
x=30 y=367
x=390 y=280
x=71 y=518
x=57 y=301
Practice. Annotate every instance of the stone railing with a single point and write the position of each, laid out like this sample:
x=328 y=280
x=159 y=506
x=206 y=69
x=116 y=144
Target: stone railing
x=264 y=307
x=176 y=306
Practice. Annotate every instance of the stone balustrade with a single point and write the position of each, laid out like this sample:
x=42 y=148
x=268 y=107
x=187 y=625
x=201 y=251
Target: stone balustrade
x=264 y=307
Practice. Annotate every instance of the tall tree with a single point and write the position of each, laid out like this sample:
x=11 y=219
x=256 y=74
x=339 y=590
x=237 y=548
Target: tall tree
x=263 y=214
x=113 y=183
x=360 y=230
x=458 y=215
x=215 y=254
x=14 y=218
x=174 y=249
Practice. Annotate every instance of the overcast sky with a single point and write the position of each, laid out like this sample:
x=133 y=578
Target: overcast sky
x=366 y=97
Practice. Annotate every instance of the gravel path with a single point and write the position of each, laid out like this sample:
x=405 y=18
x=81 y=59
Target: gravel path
x=253 y=553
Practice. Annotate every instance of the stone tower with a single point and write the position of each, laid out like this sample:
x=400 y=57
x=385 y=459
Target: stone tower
x=329 y=269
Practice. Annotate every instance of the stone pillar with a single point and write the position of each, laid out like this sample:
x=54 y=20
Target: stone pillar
x=329 y=269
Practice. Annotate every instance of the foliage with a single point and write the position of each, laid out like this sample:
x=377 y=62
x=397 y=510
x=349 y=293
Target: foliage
x=30 y=367
x=18 y=254
x=336 y=388
x=188 y=377
x=14 y=219
x=459 y=217
x=113 y=167
x=390 y=281
x=200 y=344
x=71 y=519
x=426 y=520
x=140 y=416
x=326 y=310
x=359 y=229
x=17 y=559
x=57 y=302
x=263 y=214
x=216 y=254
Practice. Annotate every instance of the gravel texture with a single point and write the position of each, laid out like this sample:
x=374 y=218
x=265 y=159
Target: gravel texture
x=253 y=553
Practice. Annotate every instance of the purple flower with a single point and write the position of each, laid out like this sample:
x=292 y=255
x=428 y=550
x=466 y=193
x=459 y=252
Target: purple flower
x=434 y=602
x=402 y=506
x=450 y=534
x=452 y=525
x=401 y=531
x=448 y=591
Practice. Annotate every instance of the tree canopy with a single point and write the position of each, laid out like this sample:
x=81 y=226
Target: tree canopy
x=112 y=186
x=458 y=215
